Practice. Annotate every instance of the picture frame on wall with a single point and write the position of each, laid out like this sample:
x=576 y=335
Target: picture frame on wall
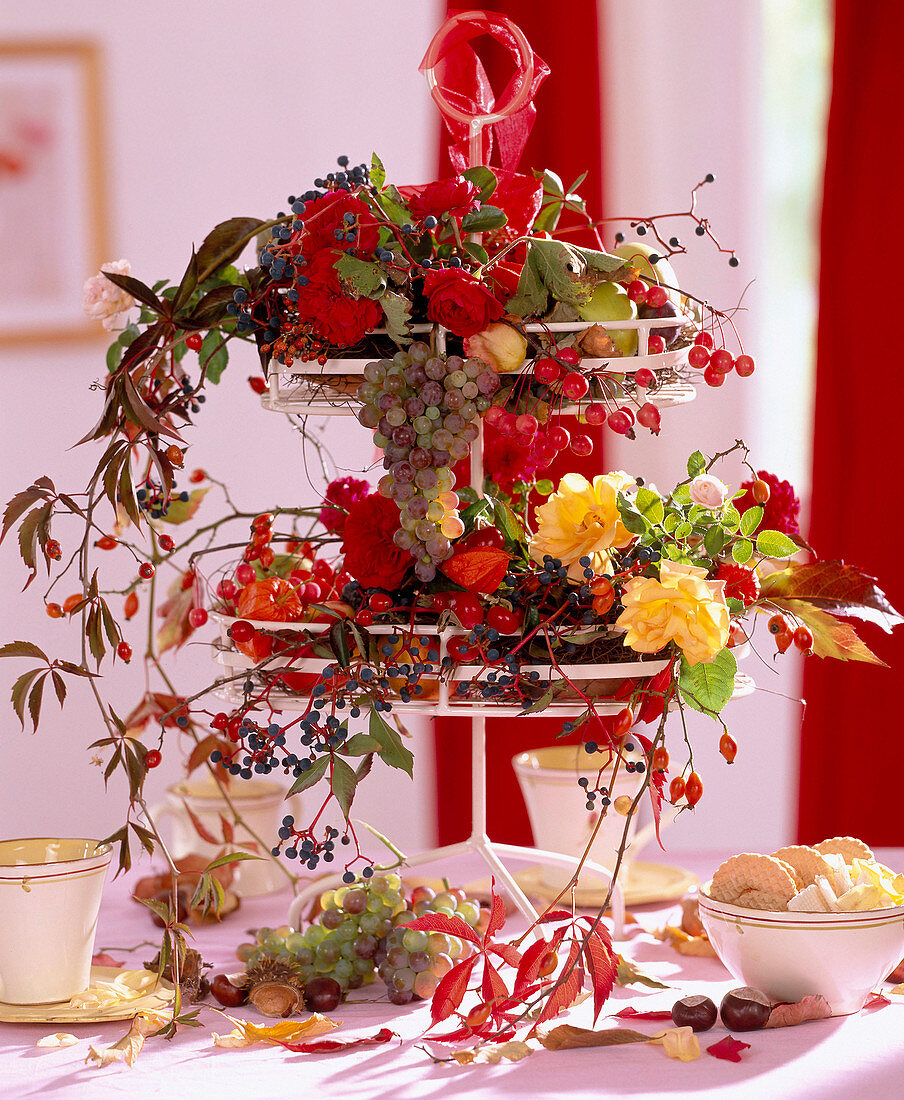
x=52 y=200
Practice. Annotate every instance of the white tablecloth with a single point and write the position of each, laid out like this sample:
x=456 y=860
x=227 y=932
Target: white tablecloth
x=855 y=1056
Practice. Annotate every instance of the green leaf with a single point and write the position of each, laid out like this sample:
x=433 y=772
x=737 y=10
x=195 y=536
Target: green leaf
x=556 y=688
x=602 y=261
x=544 y=487
x=531 y=295
x=713 y=541
x=775 y=544
x=213 y=355
x=629 y=973
x=731 y=518
x=708 y=685
x=232 y=857
x=343 y=784
x=552 y=183
x=114 y=354
x=211 y=310
x=339 y=642
x=486 y=218
x=649 y=504
x=683 y=530
x=367 y=280
x=742 y=551
x=377 y=172
x=671 y=521
x=310 y=777
x=508 y=523
x=484 y=178
x=476 y=250
x=696 y=464
x=180 y=511
x=397 y=311
x=392 y=751
x=751 y=520
x=361 y=744
x=389 y=201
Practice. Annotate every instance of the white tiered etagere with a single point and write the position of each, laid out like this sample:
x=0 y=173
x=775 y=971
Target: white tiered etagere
x=494 y=854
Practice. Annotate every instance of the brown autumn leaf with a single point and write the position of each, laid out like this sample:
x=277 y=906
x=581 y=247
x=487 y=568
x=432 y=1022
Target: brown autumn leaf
x=569 y=1037
x=801 y=1012
x=129 y=1046
x=629 y=973
x=595 y=343
x=833 y=586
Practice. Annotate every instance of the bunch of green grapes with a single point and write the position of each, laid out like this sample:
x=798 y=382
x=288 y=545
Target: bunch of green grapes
x=410 y=962
x=425 y=411
x=343 y=940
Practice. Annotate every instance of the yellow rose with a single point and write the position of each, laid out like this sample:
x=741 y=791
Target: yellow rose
x=581 y=519
x=681 y=607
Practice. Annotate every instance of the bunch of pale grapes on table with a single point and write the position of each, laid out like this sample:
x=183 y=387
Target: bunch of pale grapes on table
x=342 y=941
x=411 y=962
x=425 y=411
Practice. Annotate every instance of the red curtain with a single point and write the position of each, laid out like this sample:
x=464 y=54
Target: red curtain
x=567 y=139
x=851 y=747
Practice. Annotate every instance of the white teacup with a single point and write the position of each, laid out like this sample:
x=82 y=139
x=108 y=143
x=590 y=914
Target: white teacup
x=50 y=892
x=260 y=804
x=558 y=815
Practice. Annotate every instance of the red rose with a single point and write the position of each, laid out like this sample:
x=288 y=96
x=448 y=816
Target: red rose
x=458 y=301
x=333 y=316
x=340 y=495
x=456 y=196
x=324 y=217
x=780 y=511
x=371 y=556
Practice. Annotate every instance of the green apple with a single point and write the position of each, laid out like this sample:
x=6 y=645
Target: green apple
x=661 y=272
x=610 y=302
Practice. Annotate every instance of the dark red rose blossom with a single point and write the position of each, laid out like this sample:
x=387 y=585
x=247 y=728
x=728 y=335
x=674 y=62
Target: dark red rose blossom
x=333 y=316
x=340 y=495
x=324 y=216
x=456 y=196
x=371 y=556
x=458 y=301
x=780 y=511
x=740 y=582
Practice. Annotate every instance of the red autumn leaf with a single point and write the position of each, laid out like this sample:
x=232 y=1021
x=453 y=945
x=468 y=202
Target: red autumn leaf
x=800 y=1012
x=153 y=705
x=876 y=1000
x=555 y=915
x=329 y=1046
x=449 y=926
x=451 y=990
x=103 y=959
x=506 y=951
x=463 y=1032
x=497 y=912
x=633 y=1014
x=565 y=992
x=478 y=570
x=729 y=1049
x=834 y=586
x=200 y=828
x=602 y=966
x=529 y=967
x=492 y=987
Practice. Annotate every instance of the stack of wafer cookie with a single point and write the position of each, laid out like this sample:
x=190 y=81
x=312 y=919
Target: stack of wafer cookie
x=839 y=875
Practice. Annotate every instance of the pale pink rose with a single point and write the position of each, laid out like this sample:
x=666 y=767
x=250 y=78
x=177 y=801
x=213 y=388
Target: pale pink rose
x=104 y=301
x=708 y=491
x=500 y=346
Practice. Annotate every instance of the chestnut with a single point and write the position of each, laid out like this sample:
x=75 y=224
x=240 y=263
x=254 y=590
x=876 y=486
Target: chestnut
x=322 y=994
x=229 y=995
x=697 y=1012
x=745 y=1009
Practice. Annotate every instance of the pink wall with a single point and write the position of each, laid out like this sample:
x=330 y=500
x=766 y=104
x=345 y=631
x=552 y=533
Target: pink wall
x=204 y=120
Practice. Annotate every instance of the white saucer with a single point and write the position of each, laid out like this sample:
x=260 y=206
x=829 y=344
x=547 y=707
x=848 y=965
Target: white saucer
x=60 y=1013
x=645 y=884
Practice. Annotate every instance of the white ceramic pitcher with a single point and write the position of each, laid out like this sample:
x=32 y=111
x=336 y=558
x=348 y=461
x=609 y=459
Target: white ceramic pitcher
x=558 y=815
x=50 y=891
x=261 y=804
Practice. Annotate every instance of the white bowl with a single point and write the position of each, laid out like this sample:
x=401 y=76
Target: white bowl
x=840 y=956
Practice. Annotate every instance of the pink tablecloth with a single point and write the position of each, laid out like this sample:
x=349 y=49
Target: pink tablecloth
x=851 y=1056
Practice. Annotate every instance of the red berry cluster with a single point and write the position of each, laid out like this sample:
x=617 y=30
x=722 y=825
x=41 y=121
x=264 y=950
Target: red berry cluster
x=716 y=363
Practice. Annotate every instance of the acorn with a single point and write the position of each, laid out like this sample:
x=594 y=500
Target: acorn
x=274 y=986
